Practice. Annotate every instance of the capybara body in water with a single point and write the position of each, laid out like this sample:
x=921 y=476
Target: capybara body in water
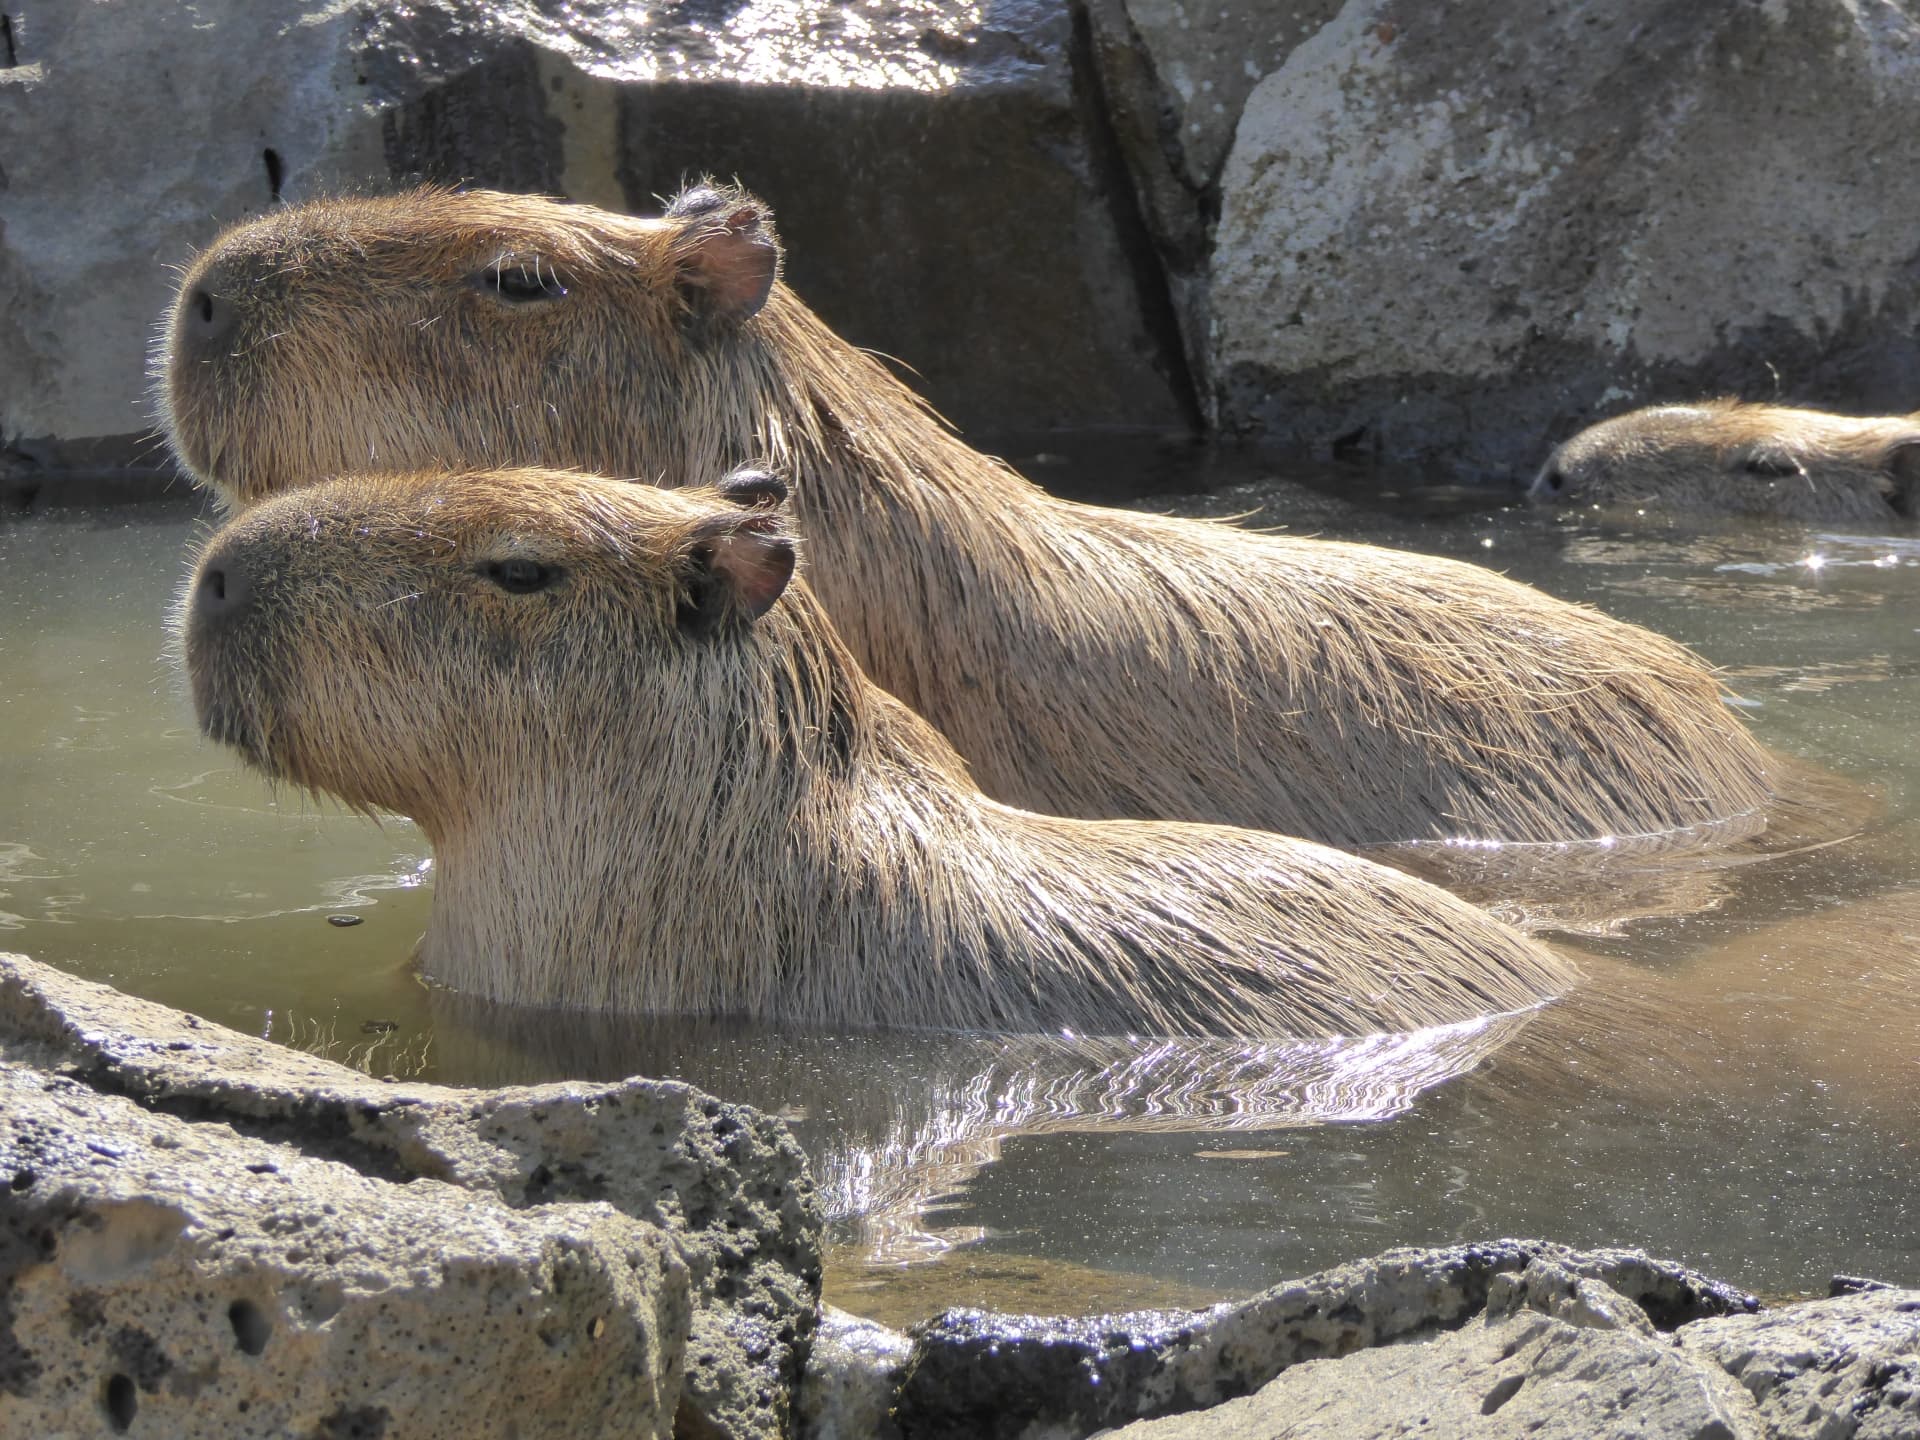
x=1730 y=458
x=654 y=780
x=1085 y=661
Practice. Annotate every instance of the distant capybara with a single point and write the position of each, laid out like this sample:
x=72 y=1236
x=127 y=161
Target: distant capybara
x=1085 y=661
x=1731 y=458
x=655 y=780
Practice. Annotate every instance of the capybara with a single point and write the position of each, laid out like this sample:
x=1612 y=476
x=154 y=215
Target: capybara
x=655 y=780
x=1730 y=458
x=1086 y=661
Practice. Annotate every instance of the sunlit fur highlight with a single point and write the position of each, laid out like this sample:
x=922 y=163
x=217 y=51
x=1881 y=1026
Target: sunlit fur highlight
x=628 y=817
x=1086 y=661
x=1730 y=458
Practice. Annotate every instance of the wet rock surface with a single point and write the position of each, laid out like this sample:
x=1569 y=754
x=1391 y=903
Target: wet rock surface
x=726 y=1183
x=1846 y=1368
x=852 y=1373
x=1513 y=1337
x=162 y=1277
x=974 y=1373
x=1513 y=1372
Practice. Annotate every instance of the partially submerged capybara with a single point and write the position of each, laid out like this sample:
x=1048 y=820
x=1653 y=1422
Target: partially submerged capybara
x=655 y=780
x=1731 y=458
x=1085 y=661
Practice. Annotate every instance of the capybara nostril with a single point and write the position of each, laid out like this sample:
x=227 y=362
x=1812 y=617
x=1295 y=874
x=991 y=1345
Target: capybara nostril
x=206 y=318
x=222 y=592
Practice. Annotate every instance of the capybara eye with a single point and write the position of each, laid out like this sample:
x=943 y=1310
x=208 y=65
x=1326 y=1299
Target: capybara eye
x=748 y=487
x=521 y=282
x=521 y=576
x=1771 y=466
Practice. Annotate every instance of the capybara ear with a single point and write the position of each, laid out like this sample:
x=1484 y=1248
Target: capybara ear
x=728 y=253
x=738 y=566
x=1903 y=471
x=751 y=488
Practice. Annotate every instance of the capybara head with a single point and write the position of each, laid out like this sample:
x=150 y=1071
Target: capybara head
x=447 y=328
x=1732 y=458
x=490 y=623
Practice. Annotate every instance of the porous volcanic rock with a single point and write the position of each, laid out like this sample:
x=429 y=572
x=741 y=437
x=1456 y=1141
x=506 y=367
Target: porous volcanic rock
x=1846 y=1368
x=726 y=1183
x=162 y=1277
x=1576 y=1361
x=978 y=1374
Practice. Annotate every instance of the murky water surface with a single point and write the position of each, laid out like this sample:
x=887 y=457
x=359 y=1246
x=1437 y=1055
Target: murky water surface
x=1740 y=1087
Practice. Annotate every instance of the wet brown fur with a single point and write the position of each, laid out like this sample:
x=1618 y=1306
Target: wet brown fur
x=1731 y=458
x=1086 y=661
x=633 y=813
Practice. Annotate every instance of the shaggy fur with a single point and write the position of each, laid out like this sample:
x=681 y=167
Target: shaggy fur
x=1086 y=661
x=1731 y=458
x=641 y=798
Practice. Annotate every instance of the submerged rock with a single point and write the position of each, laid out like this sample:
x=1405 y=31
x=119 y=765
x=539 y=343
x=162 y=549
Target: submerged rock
x=727 y=1184
x=161 y=1277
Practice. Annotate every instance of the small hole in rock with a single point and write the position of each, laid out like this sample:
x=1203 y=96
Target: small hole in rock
x=275 y=173
x=122 y=1401
x=251 y=1327
x=23 y=1180
x=1353 y=441
x=1501 y=1393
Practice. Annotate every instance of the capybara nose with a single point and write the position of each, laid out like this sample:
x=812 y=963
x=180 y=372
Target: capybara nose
x=207 y=318
x=222 y=592
x=1548 y=484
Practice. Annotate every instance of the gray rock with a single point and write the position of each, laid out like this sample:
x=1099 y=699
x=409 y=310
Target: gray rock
x=124 y=140
x=977 y=1374
x=727 y=1183
x=1549 y=1288
x=1846 y=1368
x=1461 y=233
x=944 y=178
x=852 y=1374
x=1203 y=60
x=160 y=1277
x=1175 y=76
x=1521 y=1374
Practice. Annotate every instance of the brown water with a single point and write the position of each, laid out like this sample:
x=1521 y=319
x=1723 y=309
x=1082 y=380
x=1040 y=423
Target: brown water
x=1756 y=1118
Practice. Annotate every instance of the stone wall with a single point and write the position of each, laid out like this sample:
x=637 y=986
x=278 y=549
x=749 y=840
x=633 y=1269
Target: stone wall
x=1448 y=234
